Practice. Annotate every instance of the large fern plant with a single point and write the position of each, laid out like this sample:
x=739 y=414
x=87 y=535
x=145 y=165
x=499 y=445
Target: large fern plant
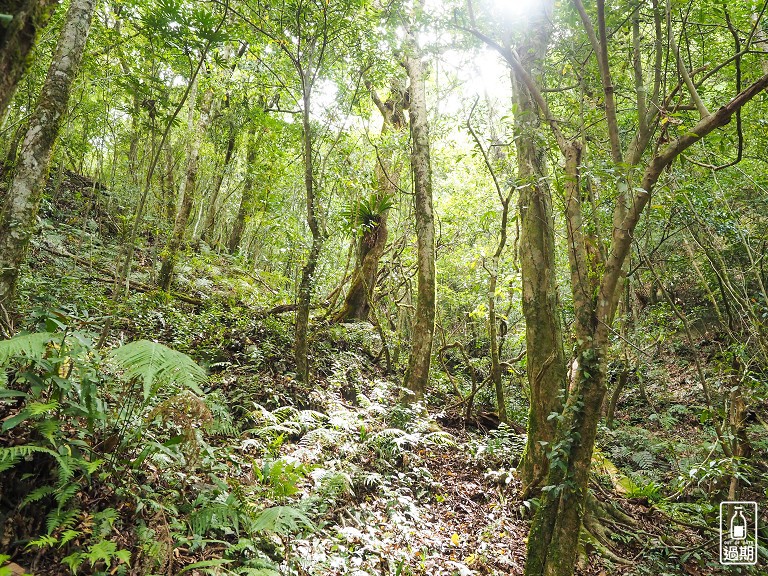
x=57 y=389
x=156 y=365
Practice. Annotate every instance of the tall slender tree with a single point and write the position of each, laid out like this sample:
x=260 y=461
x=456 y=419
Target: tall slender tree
x=17 y=221
x=188 y=188
x=417 y=374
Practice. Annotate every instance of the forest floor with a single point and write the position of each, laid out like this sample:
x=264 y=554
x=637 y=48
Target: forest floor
x=378 y=488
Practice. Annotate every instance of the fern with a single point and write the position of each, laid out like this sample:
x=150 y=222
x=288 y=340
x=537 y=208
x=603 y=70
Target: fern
x=37 y=495
x=439 y=439
x=33 y=346
x=32 y=410
x=643 y=459
x=322 y=436
x=333 y=484
x=282 y=520
x=61 y=520
x=9 y=457
x=65 y=494
x=154 y=365
x=284 y=413
x=212 y=563
x=215 y=515
x=222 y=424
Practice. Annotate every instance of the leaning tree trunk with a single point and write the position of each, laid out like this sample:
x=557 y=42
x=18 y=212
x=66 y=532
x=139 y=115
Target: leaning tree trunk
x=187 y=195
x=17 y=222
x=17 y=41
x=210 y=213
x=543 y=332
x=301 y=346
x=417 y=374
x=357 y=303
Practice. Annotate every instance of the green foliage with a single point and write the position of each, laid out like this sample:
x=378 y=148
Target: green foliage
x=282 y=520
x=365 y=214
x=156 y=365
x=65 y=366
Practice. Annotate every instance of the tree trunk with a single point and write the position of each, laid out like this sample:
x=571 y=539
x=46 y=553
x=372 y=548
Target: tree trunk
x=23 y=198
x=187 y=192
x=543 y=332
x=17 y=41
x=417 y=374
x=210 y=213
x=301 y=347
x=371 y=246
x=553 y=541
x=249 y=196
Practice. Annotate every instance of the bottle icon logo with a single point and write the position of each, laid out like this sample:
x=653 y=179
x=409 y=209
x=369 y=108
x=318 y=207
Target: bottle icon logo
x=738 y=524
x=738 y=533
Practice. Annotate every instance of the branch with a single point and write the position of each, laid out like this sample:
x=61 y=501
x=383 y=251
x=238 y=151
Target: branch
x=600 y=48
x=703 y=112
x=622 y=234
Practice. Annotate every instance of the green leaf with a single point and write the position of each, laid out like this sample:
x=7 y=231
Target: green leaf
x=155 y=364
x=282 y=520
x=32 y=346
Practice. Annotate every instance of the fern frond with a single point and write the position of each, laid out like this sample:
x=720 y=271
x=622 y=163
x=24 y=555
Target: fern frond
x=262 y=414
x=334 y=483
x=322 y=436
x=36 y=495
x=155 y=364
x=439 y=439
x=65 y=494
x=282 y=520
x=311 y=417
x=32 y=346
x=284 y=413
x=9 y=457
x=275 y=430
x=214 y=515
x=61 y=520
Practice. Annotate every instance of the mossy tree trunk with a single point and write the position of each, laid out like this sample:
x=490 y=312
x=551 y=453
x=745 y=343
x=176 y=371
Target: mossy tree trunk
x=22 y=201
x=301 y=345
x=596 y=262
x=417 y=374
x=546 y=369
x=596 y=282
x=17 y=41
x=372 y=243
x=206 y=230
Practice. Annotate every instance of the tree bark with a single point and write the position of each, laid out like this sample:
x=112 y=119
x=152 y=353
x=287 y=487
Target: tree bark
x=248 y=198
x=546 y=370
x=417 y=374
x=22 y=201
x=17 y=41
x=553 y=541
x=301 y=346
x=210 y=214
x=373 y=241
